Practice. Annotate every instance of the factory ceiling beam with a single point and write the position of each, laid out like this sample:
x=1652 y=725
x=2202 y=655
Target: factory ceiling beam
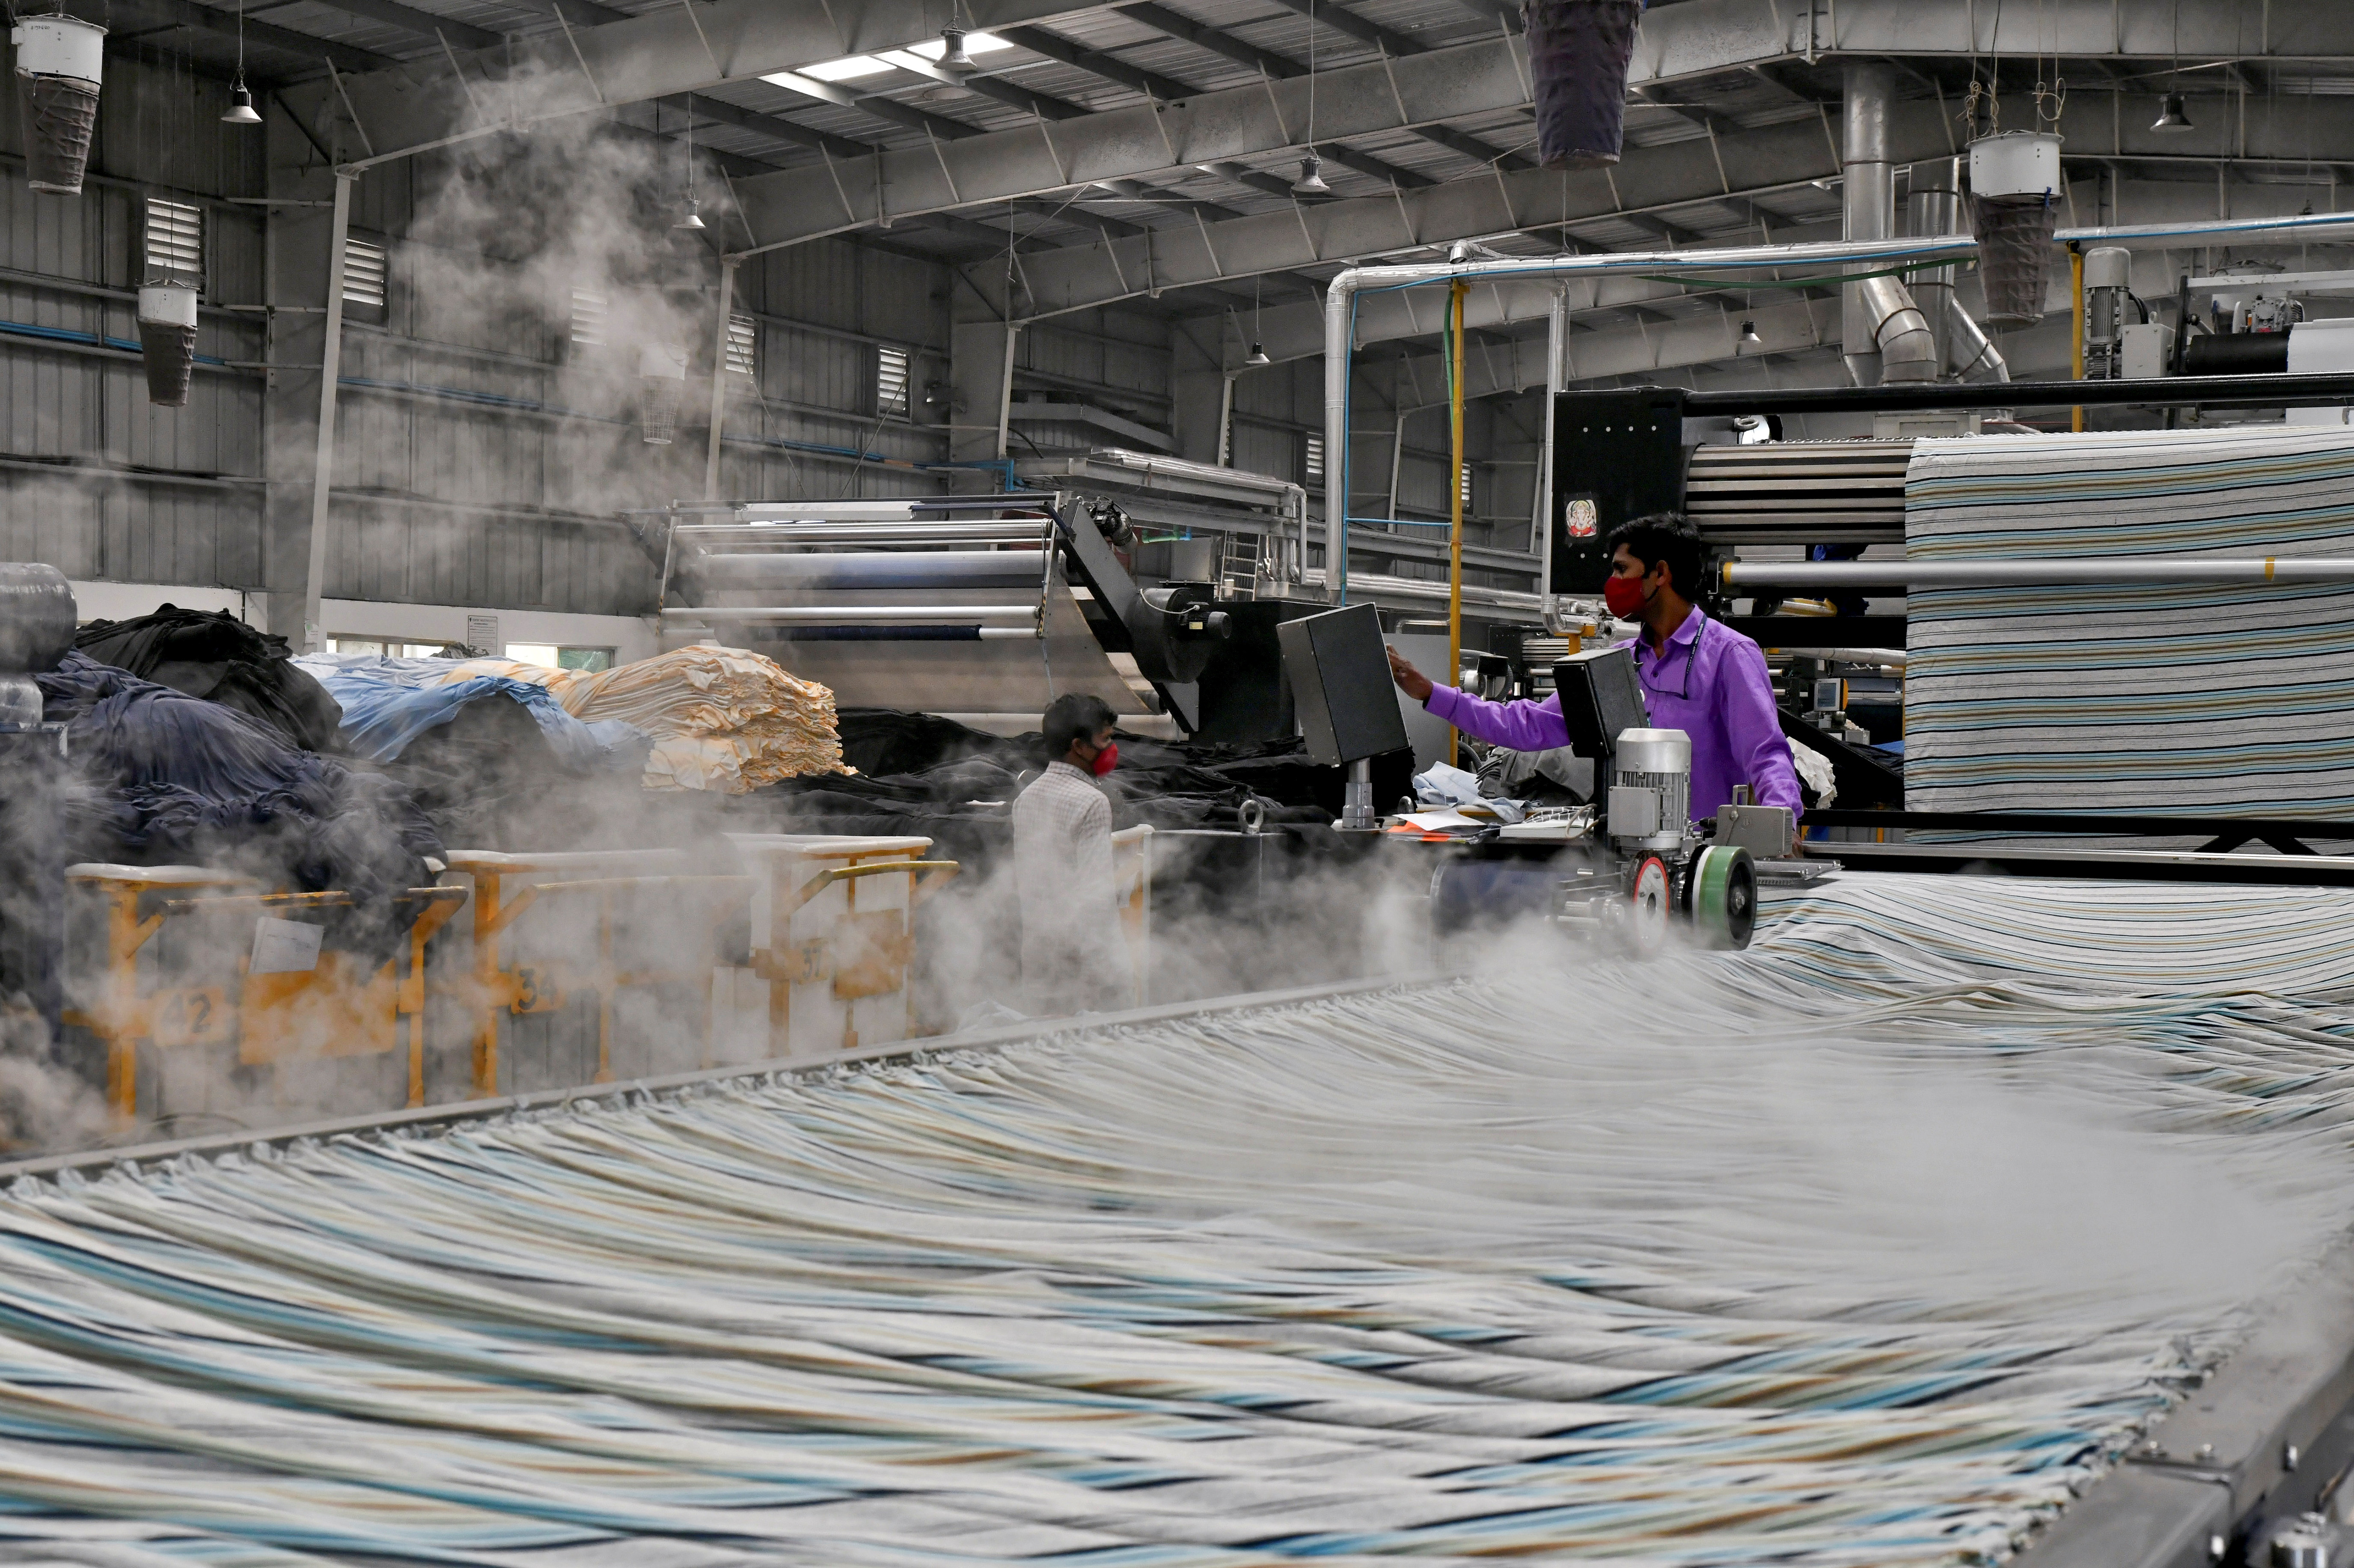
x=268 y=35
x=1342 y=232
x=1282 y=67
x=1677 y=174
x=697 y=45
x=407 y=107
x=1703 y=37
x=1146 y=139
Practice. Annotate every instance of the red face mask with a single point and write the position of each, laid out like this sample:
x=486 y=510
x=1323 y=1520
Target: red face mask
x=1106 y=760
x=1624 y=595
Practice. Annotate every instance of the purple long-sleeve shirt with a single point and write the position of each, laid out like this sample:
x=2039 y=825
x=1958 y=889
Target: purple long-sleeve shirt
x=1709 y=681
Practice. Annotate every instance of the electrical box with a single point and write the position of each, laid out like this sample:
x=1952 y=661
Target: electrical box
x=1340 y=684
x=2148 y=351
x=1617 y=454
x=1601 y=699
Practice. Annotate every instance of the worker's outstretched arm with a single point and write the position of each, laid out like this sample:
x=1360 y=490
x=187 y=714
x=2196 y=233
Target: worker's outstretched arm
x=1521 y=726
x=1753 y=729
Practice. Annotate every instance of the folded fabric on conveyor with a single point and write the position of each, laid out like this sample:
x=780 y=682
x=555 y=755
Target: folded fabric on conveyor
x=212 y=654
x=1446 y=1274
x=2141 y=698
x=171 y=778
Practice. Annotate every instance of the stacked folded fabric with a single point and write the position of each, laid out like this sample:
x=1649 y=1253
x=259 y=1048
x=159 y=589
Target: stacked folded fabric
x=722 y=718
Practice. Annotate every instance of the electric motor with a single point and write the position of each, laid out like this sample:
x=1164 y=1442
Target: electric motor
x=1650 y=789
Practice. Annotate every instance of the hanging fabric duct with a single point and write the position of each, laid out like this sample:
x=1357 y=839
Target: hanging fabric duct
x=1578 y=55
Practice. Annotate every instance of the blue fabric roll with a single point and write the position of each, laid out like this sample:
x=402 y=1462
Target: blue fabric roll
x=386 y=707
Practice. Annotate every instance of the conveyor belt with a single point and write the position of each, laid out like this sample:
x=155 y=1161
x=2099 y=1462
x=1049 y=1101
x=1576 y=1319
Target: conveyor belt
x=1448 y=1271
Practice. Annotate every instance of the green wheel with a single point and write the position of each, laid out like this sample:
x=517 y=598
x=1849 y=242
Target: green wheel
x=1724 y=897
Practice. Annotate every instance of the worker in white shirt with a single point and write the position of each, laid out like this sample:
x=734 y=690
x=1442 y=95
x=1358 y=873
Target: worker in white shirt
x=1073 y=959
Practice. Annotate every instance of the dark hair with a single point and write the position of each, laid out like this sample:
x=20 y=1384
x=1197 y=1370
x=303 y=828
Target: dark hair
x=1077 y=716
x=1666 y=537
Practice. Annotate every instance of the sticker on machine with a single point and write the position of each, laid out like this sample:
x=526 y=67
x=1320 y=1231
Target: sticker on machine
x=1579 y=517
x=284 y=946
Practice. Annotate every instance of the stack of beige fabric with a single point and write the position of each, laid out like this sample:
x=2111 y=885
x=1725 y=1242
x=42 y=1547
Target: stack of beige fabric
x=722 y=718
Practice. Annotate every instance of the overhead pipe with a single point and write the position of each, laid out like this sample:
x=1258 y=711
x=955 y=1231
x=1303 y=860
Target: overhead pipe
x=1340 y=319
x=1932 y=209
x=1969 y=347
x=2314 y=391
x=1868 y=212
x=1904 y=346
x=2088 y=571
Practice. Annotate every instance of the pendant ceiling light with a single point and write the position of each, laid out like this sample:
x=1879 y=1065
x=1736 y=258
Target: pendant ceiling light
x=240 y=98
x=2173 y=117
x=694 y=219
x=1257 y=355
x=953 y=59
x=1311 y=182
x=1749 y=338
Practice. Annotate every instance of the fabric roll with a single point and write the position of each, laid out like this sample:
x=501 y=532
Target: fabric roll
x=2194 y=699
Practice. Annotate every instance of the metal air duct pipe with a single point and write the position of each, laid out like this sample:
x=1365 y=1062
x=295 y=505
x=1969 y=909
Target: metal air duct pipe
x=1972 y=350
x=1868 y=195
x=2075 y=571
x=1906 y=349
x=1932 y=209
x=1339 y=317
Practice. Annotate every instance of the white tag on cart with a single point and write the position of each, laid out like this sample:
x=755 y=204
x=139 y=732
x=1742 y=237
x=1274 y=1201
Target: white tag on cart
x=284 y=946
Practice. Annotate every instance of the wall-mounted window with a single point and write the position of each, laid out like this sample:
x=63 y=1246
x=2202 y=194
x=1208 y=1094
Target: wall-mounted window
x=172 y=243
x=1315 y=460
x=368 y=270
x=743 y=345
x=891 y=373
x=551 y=656
x=589 y=311
x=385 y=647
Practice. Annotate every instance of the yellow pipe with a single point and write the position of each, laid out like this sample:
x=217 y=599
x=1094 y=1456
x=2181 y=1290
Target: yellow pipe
x=2076 y=356
x=1455 y=500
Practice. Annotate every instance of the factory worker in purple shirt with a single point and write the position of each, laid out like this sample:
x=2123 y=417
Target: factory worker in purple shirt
x=1699 y=676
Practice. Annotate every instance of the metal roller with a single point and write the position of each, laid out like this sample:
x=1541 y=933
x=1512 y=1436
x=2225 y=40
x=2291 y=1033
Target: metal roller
x=36 y=617
x=1798 y=492
x=873 y=614
x=782 y=536
x=883 y=570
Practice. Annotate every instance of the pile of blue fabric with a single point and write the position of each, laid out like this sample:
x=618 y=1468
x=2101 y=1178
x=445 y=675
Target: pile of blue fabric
x=168 y=779
x=388 y=704
x=496 y=762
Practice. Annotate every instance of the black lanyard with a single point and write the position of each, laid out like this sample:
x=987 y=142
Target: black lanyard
x=1691 y=659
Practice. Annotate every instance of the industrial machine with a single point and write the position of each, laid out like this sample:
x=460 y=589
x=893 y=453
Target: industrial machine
x=865 y=591
x=1632 y=864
